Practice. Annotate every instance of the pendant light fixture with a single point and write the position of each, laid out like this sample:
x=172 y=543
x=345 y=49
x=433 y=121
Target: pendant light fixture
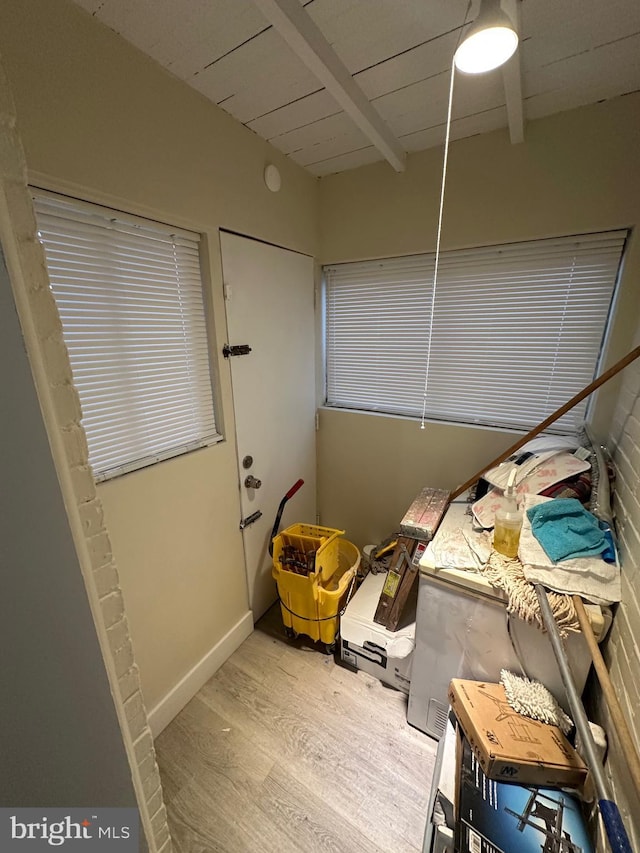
x=490 y=41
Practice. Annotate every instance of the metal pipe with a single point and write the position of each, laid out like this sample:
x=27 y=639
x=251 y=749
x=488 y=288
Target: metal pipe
x=617 y=717
x=616 y=833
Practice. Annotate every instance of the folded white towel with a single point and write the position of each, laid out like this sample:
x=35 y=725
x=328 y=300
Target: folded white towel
x=590 y=577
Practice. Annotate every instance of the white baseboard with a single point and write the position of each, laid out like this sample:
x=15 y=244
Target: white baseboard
x=161 y=714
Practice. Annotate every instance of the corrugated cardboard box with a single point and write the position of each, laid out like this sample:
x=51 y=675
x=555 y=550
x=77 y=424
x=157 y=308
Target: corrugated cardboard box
x=508 y=746
x=503 y=817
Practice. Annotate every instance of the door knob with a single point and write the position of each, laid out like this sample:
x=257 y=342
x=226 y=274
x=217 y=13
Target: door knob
x=252 y=482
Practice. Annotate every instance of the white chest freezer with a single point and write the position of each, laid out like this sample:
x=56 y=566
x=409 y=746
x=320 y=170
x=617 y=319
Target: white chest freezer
x=463 y=631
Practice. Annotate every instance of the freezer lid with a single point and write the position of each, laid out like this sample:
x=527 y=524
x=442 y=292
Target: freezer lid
x=467 y=577
x=466 y=580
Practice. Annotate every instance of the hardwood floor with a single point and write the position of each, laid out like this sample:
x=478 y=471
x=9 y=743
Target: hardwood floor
x=284 y=750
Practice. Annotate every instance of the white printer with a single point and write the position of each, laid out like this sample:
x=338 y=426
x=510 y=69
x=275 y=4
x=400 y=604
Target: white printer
x=371 y=647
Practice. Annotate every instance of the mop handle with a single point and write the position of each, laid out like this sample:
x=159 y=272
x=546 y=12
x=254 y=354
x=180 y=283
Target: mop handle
x=293 y=489
x=614 y=827
x=276 y=523
x=617 y=717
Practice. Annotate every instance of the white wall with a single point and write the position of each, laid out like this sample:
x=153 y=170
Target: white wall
x=623 y=647
x=103 y=122
x=574 y=173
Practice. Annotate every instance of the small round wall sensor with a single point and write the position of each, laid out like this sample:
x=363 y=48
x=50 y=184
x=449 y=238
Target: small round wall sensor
x=272 y=178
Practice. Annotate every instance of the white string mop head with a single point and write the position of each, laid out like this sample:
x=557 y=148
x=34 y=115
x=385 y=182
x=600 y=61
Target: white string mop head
x=533 y=700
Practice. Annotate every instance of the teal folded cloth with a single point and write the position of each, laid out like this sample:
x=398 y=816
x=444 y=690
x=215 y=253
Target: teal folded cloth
x=565 y=529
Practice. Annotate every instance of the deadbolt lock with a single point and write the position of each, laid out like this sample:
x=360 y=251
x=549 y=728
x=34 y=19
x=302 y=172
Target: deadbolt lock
x=247 y=462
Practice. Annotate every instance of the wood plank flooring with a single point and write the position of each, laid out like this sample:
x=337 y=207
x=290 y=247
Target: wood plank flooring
x=285 y=751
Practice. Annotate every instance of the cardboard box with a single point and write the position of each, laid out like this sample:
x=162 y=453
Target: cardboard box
x=366 y=645
x=500 y=817
x=503 y=817
x=509 y=746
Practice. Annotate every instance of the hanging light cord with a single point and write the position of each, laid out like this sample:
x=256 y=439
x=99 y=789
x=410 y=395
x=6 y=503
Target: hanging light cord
x=437 y=259
x=444 y=181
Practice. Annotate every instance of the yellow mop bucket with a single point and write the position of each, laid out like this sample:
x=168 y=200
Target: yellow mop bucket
x=314 y=569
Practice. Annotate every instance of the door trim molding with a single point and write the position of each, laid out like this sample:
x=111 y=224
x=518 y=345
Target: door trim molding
x=266 y=242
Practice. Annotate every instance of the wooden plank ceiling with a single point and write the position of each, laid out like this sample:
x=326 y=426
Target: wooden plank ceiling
x=399 y=53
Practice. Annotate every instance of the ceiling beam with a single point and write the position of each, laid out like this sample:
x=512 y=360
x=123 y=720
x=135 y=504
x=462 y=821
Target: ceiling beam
x=512 y=79
x=308 y=42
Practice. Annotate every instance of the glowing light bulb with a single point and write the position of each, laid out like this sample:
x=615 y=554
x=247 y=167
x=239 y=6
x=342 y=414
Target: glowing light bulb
x=486 y=49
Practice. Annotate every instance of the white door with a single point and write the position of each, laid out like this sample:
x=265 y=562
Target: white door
x=269 y=300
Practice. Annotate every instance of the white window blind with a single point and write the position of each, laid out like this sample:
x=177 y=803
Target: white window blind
x=517 y=330
x=129 y=293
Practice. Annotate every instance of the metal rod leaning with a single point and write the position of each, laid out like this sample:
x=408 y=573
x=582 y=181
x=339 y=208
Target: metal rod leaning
x=578 y=398
x=614 y=827
x=617 y=717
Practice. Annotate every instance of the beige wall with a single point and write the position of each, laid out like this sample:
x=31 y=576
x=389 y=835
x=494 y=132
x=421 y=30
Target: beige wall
x=576 y=172
x=101 y=121
x=79 y=513
x=370 y=467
